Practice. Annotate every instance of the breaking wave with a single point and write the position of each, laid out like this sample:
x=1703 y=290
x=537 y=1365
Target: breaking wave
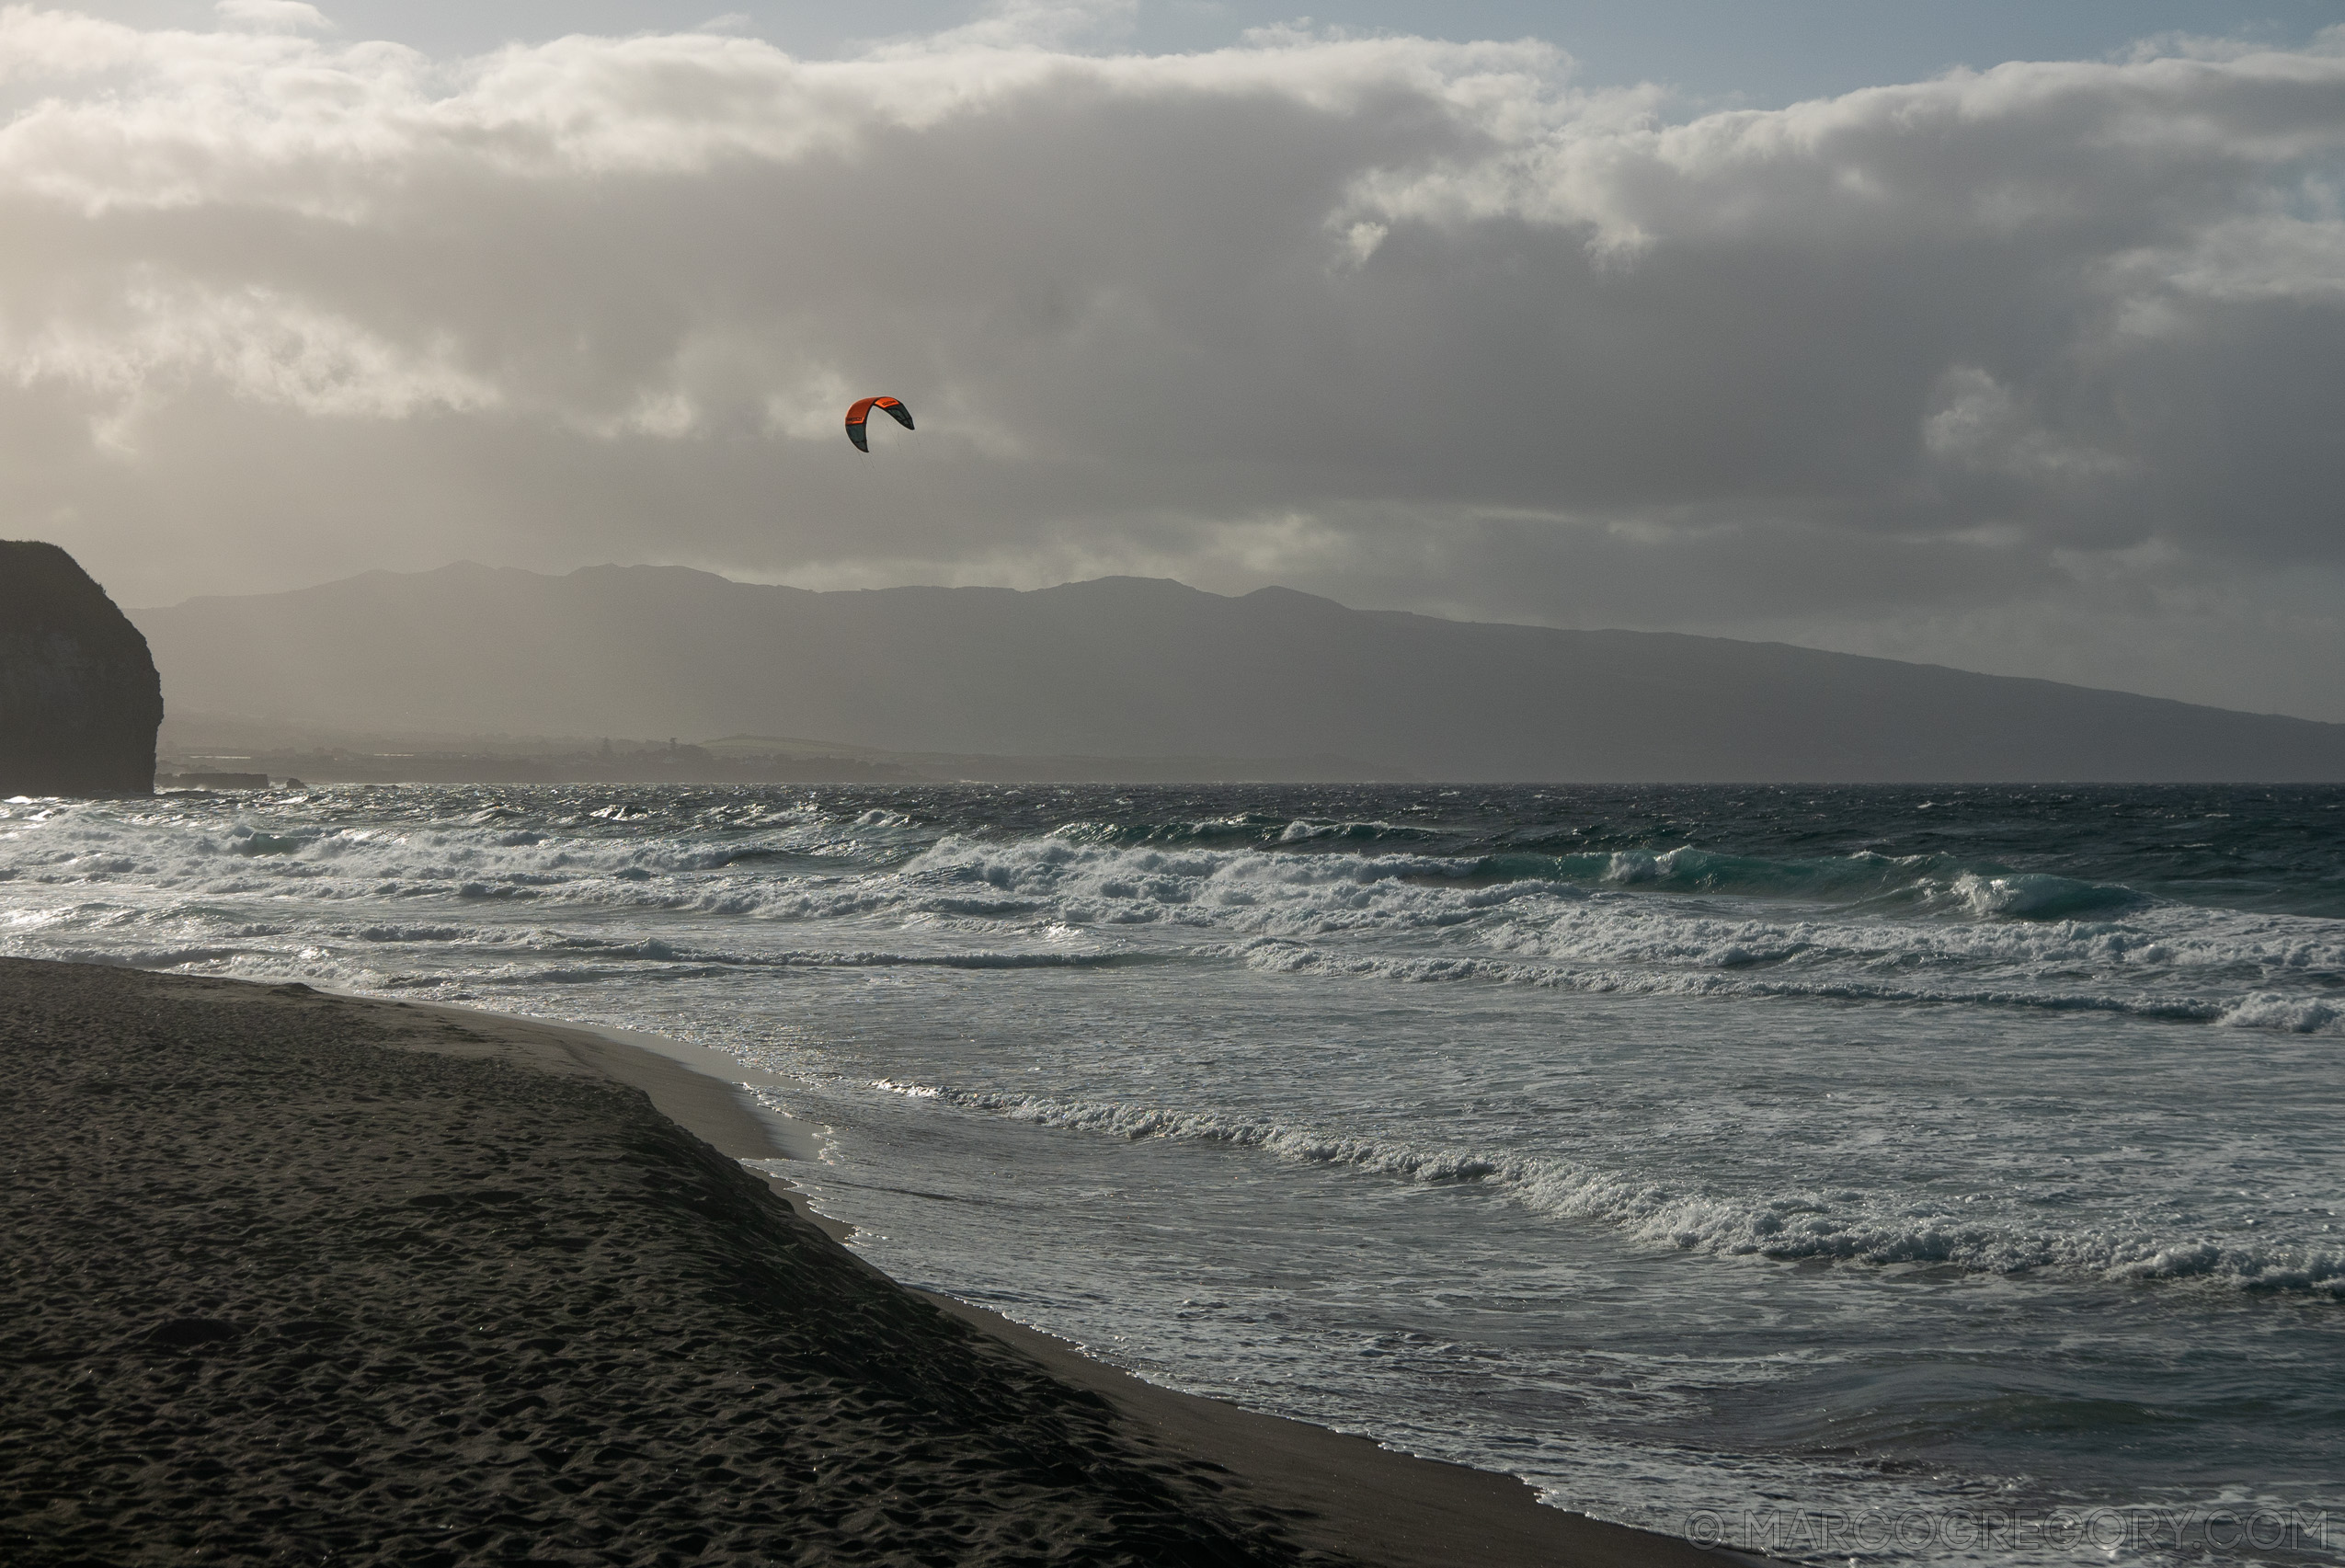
x=1353 y=899
x=1841 y=1227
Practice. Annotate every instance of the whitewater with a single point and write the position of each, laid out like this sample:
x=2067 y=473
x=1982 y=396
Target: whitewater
x=1716 y=1159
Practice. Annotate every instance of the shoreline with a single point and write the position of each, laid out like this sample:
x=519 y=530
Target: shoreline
x=1398 y=1508
x=1185 y=1478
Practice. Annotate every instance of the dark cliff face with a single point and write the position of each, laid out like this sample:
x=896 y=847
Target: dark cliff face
x=79 y=698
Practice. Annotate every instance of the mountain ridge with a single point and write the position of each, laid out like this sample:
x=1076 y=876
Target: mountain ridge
x=1150 y=667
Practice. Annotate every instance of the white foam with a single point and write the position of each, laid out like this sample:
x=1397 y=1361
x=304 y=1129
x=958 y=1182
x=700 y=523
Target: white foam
x=1846 y=1225
x=1278 y=913
x=2295 y=1014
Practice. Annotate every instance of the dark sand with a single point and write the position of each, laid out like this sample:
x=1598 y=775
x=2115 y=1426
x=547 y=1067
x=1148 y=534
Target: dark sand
x=305 y=1279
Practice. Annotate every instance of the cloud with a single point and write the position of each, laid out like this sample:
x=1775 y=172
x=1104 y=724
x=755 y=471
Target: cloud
x=1046 y=25
x=1414 y=323
x=165 y=343
x=273 y=16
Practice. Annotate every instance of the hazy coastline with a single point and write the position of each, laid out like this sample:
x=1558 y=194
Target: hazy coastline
x=1132 y=679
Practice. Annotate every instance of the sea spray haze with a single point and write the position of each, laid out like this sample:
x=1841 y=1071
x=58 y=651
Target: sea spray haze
x=1902 y=1153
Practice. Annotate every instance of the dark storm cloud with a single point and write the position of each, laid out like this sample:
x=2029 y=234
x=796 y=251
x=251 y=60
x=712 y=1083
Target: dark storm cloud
x=2057 y=345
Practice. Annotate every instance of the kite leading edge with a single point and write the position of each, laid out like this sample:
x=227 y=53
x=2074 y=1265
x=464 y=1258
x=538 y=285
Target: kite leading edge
x=860 y=411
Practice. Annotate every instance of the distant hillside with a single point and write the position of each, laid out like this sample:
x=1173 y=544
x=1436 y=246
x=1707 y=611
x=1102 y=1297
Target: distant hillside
x=1139 y=668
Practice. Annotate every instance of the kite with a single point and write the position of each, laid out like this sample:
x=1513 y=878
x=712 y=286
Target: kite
x=862 y=411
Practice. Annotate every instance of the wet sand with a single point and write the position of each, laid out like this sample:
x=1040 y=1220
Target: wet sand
x=308 y=1278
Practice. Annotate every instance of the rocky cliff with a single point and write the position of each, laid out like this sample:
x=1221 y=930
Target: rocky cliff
x=79 y=698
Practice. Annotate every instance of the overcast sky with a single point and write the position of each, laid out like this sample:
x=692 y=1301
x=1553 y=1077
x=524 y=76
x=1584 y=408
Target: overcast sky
x=2004 y=336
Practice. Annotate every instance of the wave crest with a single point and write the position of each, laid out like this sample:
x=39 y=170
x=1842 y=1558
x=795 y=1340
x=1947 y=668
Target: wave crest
x=1846 y=1227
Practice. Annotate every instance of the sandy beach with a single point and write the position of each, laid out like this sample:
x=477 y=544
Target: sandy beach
x=308 y=1278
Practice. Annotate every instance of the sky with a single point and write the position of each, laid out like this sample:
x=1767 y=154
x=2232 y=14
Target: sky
x=2004 y=336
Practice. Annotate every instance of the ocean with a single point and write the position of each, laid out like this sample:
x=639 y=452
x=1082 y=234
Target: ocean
x=1897 y=1174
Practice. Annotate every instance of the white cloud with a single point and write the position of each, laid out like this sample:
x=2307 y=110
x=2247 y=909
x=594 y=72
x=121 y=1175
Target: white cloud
x=163 y=342
x=1407 y=321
